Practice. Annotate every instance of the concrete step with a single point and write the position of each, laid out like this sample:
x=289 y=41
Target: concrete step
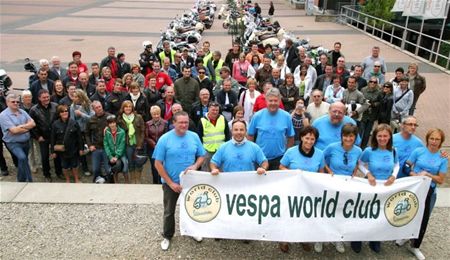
x=54 y=193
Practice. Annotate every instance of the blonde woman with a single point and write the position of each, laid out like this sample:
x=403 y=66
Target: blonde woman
x=81 y=112
x=248 y=98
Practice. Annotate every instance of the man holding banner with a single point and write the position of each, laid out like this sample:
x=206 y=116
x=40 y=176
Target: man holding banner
x=239 y=154
x=177 y=151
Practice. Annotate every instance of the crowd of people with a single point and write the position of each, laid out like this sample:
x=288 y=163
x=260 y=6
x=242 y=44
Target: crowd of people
x=265 y=110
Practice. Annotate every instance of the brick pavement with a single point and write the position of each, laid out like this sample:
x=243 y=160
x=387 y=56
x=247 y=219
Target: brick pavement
x=51 y=27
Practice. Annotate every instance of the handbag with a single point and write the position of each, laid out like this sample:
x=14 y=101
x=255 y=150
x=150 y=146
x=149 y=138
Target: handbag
x=61 y=147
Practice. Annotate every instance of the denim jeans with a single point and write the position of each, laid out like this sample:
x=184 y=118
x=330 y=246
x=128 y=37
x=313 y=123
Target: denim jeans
x=130 y=154
x=98 y=157
x=20 y=150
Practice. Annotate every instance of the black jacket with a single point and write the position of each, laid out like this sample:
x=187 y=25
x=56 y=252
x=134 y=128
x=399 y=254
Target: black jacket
x=197 y=112
x=124 y=69
x=152 y=96
x=72 y=141
x=89 y=90
x=36 y=86
x=114 y=102
x=43 y=117
x=101 y=99
x=146 y=60
x=95 y=130
x=206 y=83
x=141 y=107
x=232 y=98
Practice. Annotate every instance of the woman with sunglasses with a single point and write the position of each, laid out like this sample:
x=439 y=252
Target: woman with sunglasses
x=66 y=142
x=378 y=162
x=386 y=103
x=342 y=159
x=303 y=157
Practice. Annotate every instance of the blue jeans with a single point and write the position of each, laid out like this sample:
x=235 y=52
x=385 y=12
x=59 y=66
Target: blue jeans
x=98 y=157
x=20 y=150
x=130 y=154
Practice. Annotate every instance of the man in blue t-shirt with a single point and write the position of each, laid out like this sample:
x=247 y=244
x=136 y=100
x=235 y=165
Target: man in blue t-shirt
x=330 y=126
x=405 y=142
x=273 y=129
x=238 y=154
x=177 y=151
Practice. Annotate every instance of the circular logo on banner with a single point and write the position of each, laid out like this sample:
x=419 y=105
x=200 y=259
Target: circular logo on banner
x=202 y=203
x=401 y=207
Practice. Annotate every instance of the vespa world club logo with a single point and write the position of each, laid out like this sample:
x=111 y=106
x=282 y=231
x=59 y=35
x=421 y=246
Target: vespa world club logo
x=401 y=208
x=202 y=203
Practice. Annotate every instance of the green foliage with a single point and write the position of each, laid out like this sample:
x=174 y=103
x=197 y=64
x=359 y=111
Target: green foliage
x=444 y=50
x=379 y=8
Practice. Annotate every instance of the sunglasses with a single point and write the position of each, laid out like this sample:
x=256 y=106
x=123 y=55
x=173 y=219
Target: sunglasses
x=15 y=101
x=345 y=158
x=201 y=72
x=377 y=66
x=373 y=82
x=64 y=111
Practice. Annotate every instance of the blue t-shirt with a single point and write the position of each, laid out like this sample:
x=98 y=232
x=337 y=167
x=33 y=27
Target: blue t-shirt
x=271 y=131
x=404 y=149
x=9 y=120
x=329 y=133
x=340 y=161
x=232 y=158
x=178 y=152
x=424 y=160
x=294 y=160
x=381 y=162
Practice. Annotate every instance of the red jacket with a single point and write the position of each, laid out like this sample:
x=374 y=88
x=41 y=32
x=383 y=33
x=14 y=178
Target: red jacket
x=161 y=80
x=260 y=103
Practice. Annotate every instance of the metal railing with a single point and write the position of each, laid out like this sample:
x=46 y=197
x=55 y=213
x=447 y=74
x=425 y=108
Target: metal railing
x=403 y=37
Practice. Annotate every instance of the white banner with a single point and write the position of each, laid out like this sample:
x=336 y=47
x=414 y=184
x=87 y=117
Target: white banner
x=435 y=9
x=414 y=8
x=297 y=206
x=399 y=5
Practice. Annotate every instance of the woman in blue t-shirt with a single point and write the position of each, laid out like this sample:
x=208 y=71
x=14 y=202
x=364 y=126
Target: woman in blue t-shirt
x=427 y=161
x=303 y=157
x=382 y=161
x=341 y=158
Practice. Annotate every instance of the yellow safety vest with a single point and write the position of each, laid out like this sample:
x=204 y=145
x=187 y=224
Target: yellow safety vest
x=206 y=59
x=217 y=69
x=213 y=136
x=162 y=56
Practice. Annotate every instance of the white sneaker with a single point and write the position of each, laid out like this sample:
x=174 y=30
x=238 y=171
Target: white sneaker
x=339 y=247
x=318 y=247
x=87 y=173
x=417 y=253
x=165 y=244
x=198 y=239
x=401 y=242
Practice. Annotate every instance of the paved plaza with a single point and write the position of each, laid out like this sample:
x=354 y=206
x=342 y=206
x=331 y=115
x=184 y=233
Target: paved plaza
x=38 y=222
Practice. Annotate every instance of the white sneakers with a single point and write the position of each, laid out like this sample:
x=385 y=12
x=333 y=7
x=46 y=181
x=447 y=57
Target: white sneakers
x=198 y=239
x=318 y=247
x=417 y=253
x=339 y=247
x=165 y=244
x=87 y=173
x=401 y=242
